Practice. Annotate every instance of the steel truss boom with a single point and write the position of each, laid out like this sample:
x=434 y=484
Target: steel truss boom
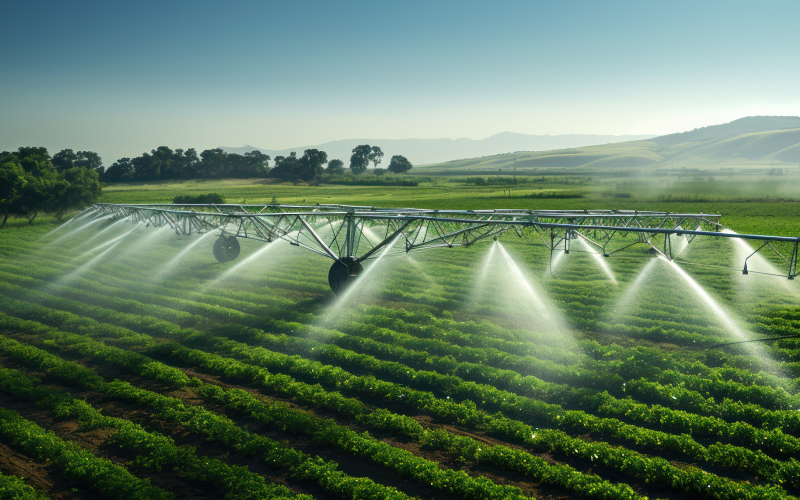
x=356 y=233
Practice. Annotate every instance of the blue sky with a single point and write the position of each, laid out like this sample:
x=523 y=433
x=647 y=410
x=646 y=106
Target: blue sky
x=123 y=78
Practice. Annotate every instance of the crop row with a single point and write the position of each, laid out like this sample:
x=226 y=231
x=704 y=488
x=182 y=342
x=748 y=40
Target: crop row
x=576 y=422
x=629 y=363
x=463 y=447
x=626 y=460
x=154 y=451
x=105 y=278
x=494 y=456
x=158 y=450
x=761 y=395
x=762 y=438
x=295 y=277
x=676 y=421
x=73 y=462
x=14 y=487
x=761 y=398
x=323 y=431
x=434 y=376
x=328 y=433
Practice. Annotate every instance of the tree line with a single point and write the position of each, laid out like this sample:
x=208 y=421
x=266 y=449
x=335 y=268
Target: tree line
x=32 y=182
x=165 y=163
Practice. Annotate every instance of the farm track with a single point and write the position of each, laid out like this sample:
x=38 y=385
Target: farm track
x=384 y=344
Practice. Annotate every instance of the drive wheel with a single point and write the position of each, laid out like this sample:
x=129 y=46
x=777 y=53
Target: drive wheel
x=226 y=248
x=343 y=272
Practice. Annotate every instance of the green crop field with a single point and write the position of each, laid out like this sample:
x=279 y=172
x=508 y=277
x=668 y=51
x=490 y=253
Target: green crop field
x=133 y=365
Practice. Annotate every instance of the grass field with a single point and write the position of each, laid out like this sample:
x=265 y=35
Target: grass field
x=129 y=369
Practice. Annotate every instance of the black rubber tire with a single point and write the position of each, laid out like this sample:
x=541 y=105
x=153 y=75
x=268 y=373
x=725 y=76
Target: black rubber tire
x=226 y=248
x=342 y=273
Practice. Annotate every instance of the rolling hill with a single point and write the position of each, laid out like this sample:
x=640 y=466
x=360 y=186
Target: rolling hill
x=751 y=142
x=421 y=151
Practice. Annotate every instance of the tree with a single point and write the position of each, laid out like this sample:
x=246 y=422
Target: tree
x=286 y=167
x=335 y=167
x=163 y=163
x=35 y=160
x=305 y=168
x=256 y=164
x=36 y=195
x=360 y=158
x=185 y=164
x=214 y=163
x=375 y=156
x=64 y=159
x=399 y=164
x=145 y=169
x=311 y=164
x=122 y=170
x=12 y=184
x=74 y=188
x=251 y=164
x=30 y=183
x=41 y=178
x=191 y=163
x=88 y=159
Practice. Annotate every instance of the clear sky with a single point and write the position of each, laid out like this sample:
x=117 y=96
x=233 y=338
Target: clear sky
x=121 y=78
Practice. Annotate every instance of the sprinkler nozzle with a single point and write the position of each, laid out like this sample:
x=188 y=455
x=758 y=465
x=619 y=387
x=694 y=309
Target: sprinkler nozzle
x=744 y=271
x=606 y=255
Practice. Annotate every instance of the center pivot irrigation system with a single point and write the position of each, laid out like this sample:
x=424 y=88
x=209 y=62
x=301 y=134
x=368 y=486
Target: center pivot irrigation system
x=349 y=235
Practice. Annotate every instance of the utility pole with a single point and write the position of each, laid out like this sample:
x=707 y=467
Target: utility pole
x=514 y=177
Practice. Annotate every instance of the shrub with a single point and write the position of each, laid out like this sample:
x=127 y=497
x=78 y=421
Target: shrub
x=191 y=199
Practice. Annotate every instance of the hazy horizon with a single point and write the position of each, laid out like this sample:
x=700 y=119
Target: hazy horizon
x=123 y=79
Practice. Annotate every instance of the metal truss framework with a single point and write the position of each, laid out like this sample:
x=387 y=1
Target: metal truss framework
x=353 y=234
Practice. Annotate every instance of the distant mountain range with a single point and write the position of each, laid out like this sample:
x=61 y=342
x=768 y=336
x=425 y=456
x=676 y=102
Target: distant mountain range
x=751 y=142
x=426 y=151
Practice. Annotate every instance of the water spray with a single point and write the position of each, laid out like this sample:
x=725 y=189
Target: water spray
x=169 y=267
x=599 y=260
x=105 y=244
x=722 y=316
